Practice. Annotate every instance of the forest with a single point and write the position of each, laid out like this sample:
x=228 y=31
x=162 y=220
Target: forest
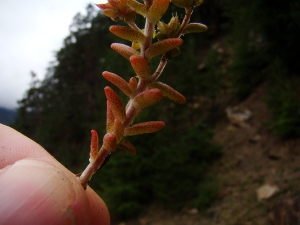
x=247 y=44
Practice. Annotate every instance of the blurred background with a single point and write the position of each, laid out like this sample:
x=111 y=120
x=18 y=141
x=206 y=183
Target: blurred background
x=238 y=134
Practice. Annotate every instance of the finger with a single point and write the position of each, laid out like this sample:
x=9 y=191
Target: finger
x=99 y=211
x=15 y=146
x=35 y=192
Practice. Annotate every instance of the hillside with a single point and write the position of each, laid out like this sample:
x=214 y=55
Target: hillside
x=252 y=157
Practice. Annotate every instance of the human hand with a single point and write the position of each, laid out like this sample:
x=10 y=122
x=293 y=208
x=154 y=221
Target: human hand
x=37 y=189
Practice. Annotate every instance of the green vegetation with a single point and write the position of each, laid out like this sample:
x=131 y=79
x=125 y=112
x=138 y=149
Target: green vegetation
x=173 y=174
x=283 y=100
x=264 y=37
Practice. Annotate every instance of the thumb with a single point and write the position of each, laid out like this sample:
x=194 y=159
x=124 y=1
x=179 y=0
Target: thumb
x=35 y=192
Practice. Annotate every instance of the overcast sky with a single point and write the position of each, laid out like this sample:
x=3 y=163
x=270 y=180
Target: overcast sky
x=30 y=32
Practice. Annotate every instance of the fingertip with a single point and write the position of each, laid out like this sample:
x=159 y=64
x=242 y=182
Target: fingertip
x=35 y=192
x=99 y=211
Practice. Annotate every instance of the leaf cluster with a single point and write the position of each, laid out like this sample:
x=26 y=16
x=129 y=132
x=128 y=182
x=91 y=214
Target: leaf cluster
x=173 y=175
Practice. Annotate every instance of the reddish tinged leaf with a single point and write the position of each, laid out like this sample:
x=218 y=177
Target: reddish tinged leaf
x=117 y=9
x=138 y=7
x=126 y=146
x=124 y=50
x=118 y=81
x=110 y=118
x=157 y=10
x=110 y=142
x=143 y=128
x=128 y=33
x=94 y=147
x=115 y=104
x=110 y=13
x=141 y=66
x=147 y=98
x=195 y=28
x=162 y=47
x=133 y=84
x=118 y=130
x=169 y=92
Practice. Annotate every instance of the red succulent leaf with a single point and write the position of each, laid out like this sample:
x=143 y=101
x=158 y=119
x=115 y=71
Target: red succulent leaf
x=115 y=104
x=110 y=142
x=94 y=147
x=169 y=92
x=124 y=50
x=162 y=47
x=118 y=81
x=126 y=146
x=118 y=130
x=147 y=98
x=110 y=118
x=143 y=128
x=157 y=10
x=128 y=33
x=117 y=9
x=140 y=66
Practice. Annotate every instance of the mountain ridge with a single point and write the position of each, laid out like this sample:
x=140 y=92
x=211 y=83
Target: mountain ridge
x=7 y=116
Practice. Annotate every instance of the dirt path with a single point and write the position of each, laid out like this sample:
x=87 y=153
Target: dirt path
x=252 y=157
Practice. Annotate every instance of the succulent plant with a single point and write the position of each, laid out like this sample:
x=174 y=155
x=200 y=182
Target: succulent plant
x=143 y=90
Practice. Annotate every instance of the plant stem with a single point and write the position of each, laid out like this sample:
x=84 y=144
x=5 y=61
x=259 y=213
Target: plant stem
x=164 y=59
x=92 y=167
x=131 y=111
x=160 y=68
x=186 y=20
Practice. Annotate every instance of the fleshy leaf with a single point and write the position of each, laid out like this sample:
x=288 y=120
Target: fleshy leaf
x=169 y=92
x=128 y=33
x=118 y=9
x=110 y=142
x=115 y=104
x=195 y=28
x=140 y=66
x=162 y=27
x=157 y=10
x=138 y=7
x=144 y=128
x=94 y=147
x=174 y=24
x=118 y=130
x=124 y=50
x=110 y=118
x=126 y=146
x=147 y=98
x=162 y=47
x=118 y=81
x=132 y=84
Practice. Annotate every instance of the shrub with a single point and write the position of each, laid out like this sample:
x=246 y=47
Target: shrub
x=283 y=101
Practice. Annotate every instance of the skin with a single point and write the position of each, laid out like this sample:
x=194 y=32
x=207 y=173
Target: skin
x=36 y=189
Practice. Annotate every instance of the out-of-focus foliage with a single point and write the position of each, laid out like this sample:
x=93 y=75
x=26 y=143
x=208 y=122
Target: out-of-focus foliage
x=260 y=31
x=172 y=174
x=284 y=102
x=262 y=34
